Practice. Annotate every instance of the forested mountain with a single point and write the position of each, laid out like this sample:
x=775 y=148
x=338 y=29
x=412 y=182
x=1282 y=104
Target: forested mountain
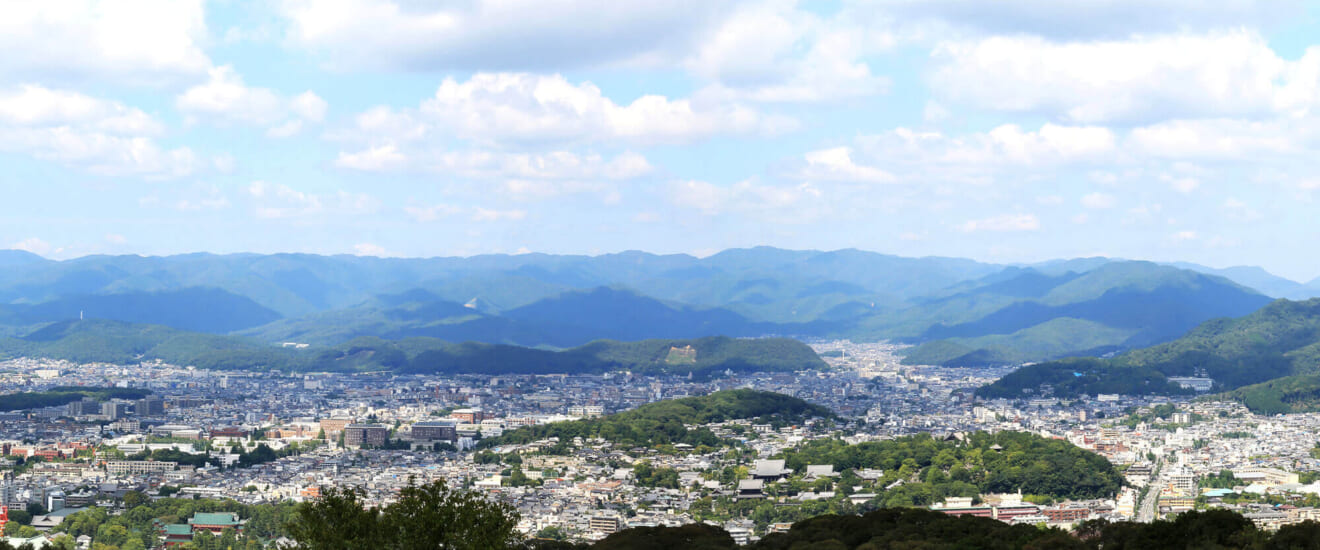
x=99 y=340
x=1262 y=281
x=1033 y=316
x=195 y=309
x=959 y=312
x=1281 y=339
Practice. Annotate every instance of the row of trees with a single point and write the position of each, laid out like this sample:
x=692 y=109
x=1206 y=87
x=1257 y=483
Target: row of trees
x=64 y=395
x=433 y=516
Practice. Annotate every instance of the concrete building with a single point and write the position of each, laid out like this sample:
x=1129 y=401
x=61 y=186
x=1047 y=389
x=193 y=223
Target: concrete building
x=372 y=435
x=114 y=410
x=435 y=430
x=604 y=524
x=139 y=467
x=151 y=406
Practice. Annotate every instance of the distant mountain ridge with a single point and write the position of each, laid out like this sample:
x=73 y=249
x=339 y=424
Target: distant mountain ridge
x=959 y=312
x=196 y=309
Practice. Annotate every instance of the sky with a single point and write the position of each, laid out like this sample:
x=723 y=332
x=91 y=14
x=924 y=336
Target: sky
x=1007 y=131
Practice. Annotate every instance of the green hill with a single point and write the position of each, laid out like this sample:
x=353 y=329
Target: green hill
x=1279 y=340
x=933 y=469
x=1290 y=394
x=97 y=340
x=666 y=422
x=1036 y=317
x=1053 y=339
x=712 y=355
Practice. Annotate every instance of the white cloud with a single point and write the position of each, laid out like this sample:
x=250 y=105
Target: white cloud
x=557 y=165
x=1102 y=177
x=372 y=159
x=774 y=51
x=1098 y=201
x=934 y=112
x=519 y=109
x=223 y=163
x=115 y=239
x=288 y=129
x=33 y=245
x=1004 y=223
x=1220 y=138
x=100 y=136
x=226 y=98
x=1240 y=211
x=912 y=156
x=309 y=106
x=788 y=203
x=195 y=198
x=1143 y=78
x=1089 y=19
x=1184 y=236
x=489 y=215
x=523 y=175
x=836 y=164
x=140 y=41
x=32 y=105
x=369 y=249
x=485 y=34
x=277 y=201
x=431 y=213
x=1181 y=183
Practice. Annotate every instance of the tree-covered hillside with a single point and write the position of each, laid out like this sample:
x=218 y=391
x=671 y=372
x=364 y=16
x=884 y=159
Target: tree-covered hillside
x=1290 y=394
x=666 y=422
x=1114 y=307
x=708 y=356
x=1279 y=340
x=125 y=343
x=932 y=470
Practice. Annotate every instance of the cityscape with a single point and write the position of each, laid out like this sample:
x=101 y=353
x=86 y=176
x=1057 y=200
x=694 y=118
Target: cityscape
x=677 y=275
x=380 y=432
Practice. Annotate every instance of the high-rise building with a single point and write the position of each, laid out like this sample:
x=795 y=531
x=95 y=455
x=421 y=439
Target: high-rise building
x=114 y=410
x=83 y=408
x=150 y=406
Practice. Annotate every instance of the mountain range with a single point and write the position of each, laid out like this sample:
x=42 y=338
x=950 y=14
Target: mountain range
x=957 y=311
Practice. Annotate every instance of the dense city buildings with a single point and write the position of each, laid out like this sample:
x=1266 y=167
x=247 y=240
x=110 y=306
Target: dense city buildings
x=269 y=437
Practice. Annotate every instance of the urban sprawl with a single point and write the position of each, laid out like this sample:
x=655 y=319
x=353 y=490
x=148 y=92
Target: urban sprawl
x=381 y=431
